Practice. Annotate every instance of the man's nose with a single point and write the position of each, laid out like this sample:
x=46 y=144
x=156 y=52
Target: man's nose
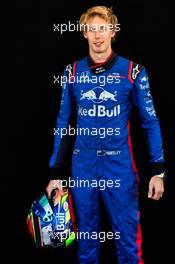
x=97 y=34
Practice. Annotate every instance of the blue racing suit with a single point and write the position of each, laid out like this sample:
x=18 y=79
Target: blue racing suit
x=101 y=97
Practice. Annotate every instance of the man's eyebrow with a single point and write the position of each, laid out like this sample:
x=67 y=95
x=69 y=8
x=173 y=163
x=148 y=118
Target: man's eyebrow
x=102 y=26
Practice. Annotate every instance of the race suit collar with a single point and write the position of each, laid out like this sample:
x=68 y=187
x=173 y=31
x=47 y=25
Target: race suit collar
x=98 y=68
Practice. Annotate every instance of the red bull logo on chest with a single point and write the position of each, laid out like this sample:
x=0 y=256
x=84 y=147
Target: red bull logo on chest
x=98 y=95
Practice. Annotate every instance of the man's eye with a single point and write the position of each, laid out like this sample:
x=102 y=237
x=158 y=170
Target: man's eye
x=102 y=29
x=93 y=29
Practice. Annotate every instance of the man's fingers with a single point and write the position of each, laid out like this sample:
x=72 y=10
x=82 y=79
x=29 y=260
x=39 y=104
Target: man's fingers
x=48 y=190
x=155 y=196
x=156 y=188
x=159 y=190
x=53 y=184
x=150 y=192
x=158 y=194
x=57 y=184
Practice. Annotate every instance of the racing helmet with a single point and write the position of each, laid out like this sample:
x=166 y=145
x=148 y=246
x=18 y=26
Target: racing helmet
x=51 y=222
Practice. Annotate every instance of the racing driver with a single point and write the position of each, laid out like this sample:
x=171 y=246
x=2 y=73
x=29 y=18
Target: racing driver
x=96 y=106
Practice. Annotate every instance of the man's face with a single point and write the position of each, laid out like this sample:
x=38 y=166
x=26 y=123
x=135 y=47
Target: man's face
x=99 y=34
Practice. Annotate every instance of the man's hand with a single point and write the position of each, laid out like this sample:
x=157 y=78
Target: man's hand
x=156 y=188
x=54 y=184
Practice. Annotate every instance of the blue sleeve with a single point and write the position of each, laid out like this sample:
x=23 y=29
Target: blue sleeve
x=62 y=141
x=149 y=121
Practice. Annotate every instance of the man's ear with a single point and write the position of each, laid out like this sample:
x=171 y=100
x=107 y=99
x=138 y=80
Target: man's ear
x=113 y=34
x=85 y=34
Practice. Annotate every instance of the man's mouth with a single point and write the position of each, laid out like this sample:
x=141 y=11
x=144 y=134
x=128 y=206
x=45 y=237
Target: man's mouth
x=98 y=44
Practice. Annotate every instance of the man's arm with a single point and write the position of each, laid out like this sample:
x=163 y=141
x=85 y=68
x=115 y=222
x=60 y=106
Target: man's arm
x=63 y=142
x=150 y=123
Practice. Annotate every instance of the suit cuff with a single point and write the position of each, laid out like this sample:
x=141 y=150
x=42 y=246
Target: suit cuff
x=58 y=174
x=157 y=168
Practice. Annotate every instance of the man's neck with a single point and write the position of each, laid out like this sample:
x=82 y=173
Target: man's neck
x=100 y=57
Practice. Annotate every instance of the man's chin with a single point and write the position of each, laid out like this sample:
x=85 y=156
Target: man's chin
x=99 y=50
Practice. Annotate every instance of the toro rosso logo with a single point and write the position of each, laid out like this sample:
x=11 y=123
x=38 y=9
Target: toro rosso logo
x=98 y=95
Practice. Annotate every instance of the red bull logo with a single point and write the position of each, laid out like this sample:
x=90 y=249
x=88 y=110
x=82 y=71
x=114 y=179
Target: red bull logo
x=106 y=96
x=98 y=95
x=99 y=110
x=89 y=95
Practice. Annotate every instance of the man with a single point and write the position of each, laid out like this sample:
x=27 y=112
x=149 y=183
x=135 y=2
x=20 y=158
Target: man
x=106 y=107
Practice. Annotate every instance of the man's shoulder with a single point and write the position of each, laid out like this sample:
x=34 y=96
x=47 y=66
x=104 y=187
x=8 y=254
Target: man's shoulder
x=128 y=61
x=77 y=62
x=131 y=67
